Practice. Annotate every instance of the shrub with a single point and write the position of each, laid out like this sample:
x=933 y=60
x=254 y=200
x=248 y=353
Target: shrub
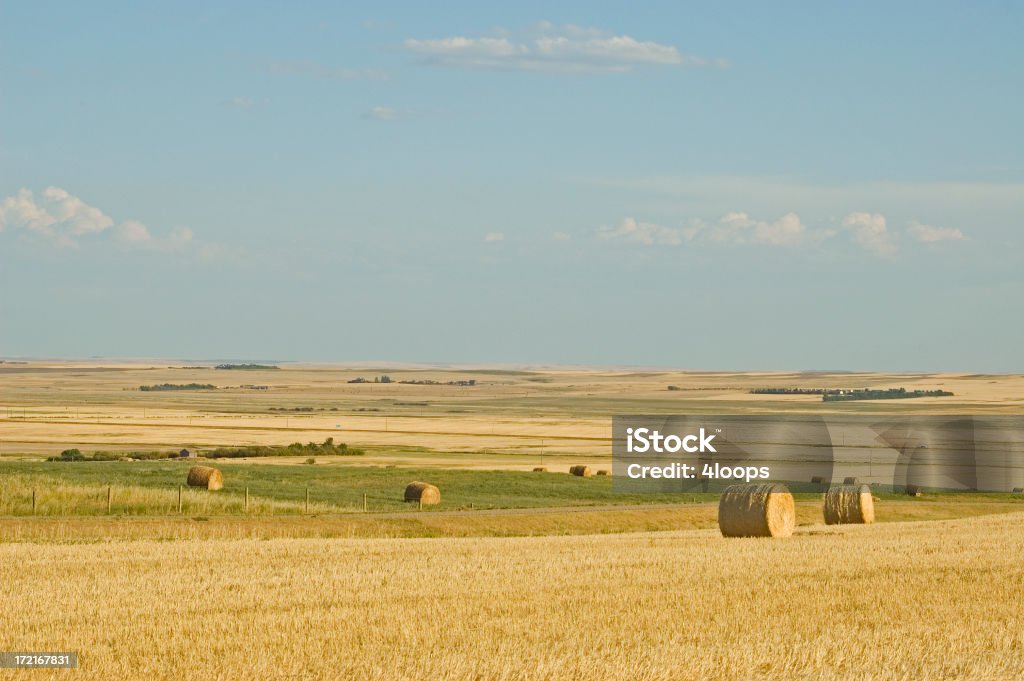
x=72 y=455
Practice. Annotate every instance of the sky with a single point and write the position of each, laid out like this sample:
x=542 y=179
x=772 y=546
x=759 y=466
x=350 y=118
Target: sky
x=736 y=185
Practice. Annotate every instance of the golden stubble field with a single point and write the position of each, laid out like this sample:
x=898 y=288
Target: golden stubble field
x=510 y=419
x=935 y=600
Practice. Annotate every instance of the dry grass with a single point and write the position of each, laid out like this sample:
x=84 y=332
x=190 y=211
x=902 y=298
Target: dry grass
x=922 y=601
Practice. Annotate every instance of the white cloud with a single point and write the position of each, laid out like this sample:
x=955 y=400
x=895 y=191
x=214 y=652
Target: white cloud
x=382 y=113
x=648 y=233
x=494 y=236
x=929 y=234
x=871 y=232
x=561 y=236
x=741 y=228
x=55 y=215
x=64 y=219
x=134 y=232
x=564 y=49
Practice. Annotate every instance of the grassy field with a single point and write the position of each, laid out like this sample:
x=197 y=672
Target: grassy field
x=931 y=600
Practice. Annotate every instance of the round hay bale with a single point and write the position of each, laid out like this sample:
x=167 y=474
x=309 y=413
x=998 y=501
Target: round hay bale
x=914 y=490
x=604 y=471
x=850 y=480
x=581 y=471
x=423 y=492
x=759 y=510
x=204 y=476
x=540 y=469
x=849 y=505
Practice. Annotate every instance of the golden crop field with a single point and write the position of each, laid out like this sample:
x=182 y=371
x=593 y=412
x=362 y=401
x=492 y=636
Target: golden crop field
x=932 y=600
x=511 y=419
x=491 y=586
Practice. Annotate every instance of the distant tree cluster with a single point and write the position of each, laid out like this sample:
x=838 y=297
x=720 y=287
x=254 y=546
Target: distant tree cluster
x=384 y=378
x=303 y=409
x=848 y=394
x=890 y=394
x=246 y=367
x=77 y=455
x=177 y=386
x=327 y=448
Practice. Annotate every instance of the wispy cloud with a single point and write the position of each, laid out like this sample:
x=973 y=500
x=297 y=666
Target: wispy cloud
x=930 y=234
x=647 y=233
x=561 y=236
x=559 y=49
x=244 y=102
x=62 y=219
x=310 y=69
x=388 y=113
x=492 y=237
x=741 y=228
x=871 y=231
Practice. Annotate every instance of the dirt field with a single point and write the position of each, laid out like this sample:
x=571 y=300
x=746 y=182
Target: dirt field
x=914 y=600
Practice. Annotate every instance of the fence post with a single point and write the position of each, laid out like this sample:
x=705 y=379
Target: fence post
x=179 y=499
x=246 y=498
x=110 y=498
x=307 y=500
x=33 y=501
x=364 y=502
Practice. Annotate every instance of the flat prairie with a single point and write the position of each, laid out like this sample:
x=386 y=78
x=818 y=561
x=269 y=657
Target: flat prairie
x=510 y=419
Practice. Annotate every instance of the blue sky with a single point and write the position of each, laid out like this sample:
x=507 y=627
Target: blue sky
x=713 y=185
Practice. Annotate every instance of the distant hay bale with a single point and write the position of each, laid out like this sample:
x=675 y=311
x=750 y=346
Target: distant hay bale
x=849 y=505
x=603 y=471
x=914 y=490
x=540 y=469
x=581 y=471
x=758 y=510
x=423 y=492
x=850 y=481
x=1018 y=490
x=204 y=476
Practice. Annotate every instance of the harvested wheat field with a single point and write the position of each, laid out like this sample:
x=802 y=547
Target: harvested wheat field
x=922 y=600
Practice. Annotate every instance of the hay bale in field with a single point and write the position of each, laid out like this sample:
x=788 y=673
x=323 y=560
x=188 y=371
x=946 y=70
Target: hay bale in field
x=758 y=510
x=603 y=471
x=850 y=480
x=914 y=490
x=204 y=476
x=581 y=471
x=423 y=492
x=1018 y=490
x=540 y=469
x=849 y=505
